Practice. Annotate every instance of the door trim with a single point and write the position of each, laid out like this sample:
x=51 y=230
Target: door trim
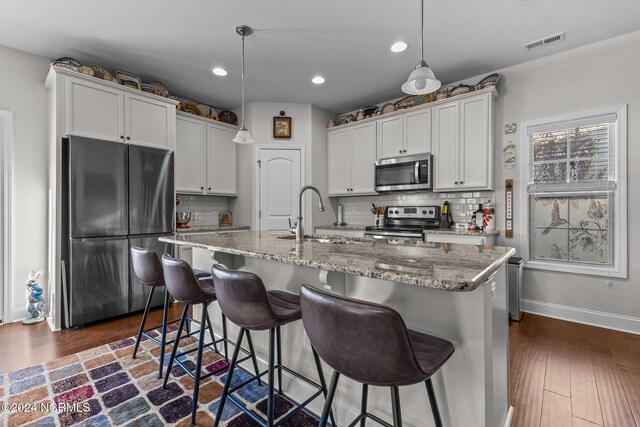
x=256 y=199
x=6 y=135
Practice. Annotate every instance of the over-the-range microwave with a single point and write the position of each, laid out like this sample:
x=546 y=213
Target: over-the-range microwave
x=409 y=173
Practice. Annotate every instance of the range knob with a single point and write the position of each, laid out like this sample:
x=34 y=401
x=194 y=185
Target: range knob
x=424 y=212
x=431 y=211
x=396 y=212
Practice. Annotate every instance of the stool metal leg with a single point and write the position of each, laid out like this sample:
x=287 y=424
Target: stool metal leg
x=227 y=383
x=224 y=336
x=270 y=399
x=363 y=405
x=176 y=342
x=323 y=383
x=163 y=338
x=395 y=407
x=279 y=359
x=253 y=357
x=434 y=403
x=144 y=320
x=196 y=387
x=329 y=399
x=213 y=336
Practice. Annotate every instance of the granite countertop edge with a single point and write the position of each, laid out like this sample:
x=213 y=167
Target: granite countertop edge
x=206 y=228
x=451 y=231
x=409 y=279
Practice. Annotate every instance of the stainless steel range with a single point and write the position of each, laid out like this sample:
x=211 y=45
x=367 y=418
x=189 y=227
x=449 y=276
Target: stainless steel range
x=406 y=222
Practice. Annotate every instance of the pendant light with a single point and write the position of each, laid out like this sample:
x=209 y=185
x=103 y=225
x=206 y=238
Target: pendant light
x=421 y=80
x=243 y=136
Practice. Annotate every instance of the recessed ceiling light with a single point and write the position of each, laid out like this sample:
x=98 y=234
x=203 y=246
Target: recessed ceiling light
x=398 y=47
x=218 y=71
x=318 y=80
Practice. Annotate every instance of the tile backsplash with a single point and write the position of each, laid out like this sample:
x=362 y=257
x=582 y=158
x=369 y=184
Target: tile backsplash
x=205 y=208
x=356 y=210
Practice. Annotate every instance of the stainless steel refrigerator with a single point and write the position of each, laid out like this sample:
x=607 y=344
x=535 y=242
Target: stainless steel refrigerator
x=116 y=195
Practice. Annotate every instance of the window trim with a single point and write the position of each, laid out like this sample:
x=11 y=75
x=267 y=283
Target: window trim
x=619 y=267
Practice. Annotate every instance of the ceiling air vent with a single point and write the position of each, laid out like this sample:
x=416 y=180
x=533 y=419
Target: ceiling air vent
x=545 y=41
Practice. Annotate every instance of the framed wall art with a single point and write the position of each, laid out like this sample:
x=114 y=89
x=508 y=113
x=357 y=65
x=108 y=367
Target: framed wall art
x=282 y=127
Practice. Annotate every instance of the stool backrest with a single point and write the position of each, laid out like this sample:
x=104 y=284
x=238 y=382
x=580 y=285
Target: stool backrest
x=365 y=341
x=147 y=267
x=243 y=298
x=180 y=280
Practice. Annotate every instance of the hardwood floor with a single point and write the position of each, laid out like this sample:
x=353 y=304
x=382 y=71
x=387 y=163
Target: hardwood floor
x=568 y=374
x=562 y=373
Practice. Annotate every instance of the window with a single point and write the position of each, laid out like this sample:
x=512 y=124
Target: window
x=575 y=193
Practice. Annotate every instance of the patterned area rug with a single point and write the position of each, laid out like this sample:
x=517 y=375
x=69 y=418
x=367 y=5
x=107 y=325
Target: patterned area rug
x=104 y=386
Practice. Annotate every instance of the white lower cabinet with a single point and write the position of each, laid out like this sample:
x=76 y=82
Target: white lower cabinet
x=205 y=157
x=350 y=160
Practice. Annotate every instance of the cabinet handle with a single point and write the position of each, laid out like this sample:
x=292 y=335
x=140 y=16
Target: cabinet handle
x=128 y=138
x=121 y=136
x=400 y=151
x=209 y=188
x=202 y=188
x=456 y=183
x=461 y=182
x=404 y=151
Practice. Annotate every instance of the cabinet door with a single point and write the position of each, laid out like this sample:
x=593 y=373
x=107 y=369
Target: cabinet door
x=391 y=139
x=474 y=153
x=417 y=132
x=445 y=147
x=339 y=162
x=190 y=155
x=221 y=161
x=149 y=121
x=363 y=156
x=94 y=110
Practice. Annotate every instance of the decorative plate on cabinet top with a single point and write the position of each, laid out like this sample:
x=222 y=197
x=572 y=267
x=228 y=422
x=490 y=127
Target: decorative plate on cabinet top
x=406 y=102
x=129 y=80
x=387 y=108
x=204 y=109
x=192 y=108
x=443 y=93
x=103 y=74
x=460 y=89
x=370 y=111
x=160 y=88
x=86 y=70
x=425 y=99
x=213 y=114
x=146 y=87
x=228 y=117
x=489 y=81
x=67 y=60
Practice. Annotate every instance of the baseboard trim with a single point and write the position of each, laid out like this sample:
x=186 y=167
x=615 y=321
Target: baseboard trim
x=17 y=315
x=617 y=322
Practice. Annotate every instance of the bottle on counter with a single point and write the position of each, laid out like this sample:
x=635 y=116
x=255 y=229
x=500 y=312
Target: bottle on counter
x=479 y=217
x=446 y=220
x=489 y=216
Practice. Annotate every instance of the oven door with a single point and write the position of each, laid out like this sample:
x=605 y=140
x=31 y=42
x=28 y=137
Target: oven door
x=404 y=173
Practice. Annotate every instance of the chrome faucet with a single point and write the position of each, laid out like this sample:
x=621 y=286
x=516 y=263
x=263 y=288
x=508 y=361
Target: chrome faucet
x=298 y=227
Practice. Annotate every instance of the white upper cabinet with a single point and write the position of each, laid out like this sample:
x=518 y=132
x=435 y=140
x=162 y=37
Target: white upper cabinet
x=391 y=131
x=103 y=110
x=149 y=121
x=417 y=132
x=94 y=111
x=221 y=160
x=405 y=134
x=462 y=140
x=190 y=156
x=350 y=160
x=205 y=157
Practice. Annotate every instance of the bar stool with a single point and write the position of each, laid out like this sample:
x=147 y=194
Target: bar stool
x=245 y=301
x=148 y=270
x=183 y=286
x=370 y=343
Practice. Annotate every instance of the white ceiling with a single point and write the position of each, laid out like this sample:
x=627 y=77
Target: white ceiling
x=346 y=41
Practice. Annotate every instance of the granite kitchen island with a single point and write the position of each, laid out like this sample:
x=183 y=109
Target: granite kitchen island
x=457 y=292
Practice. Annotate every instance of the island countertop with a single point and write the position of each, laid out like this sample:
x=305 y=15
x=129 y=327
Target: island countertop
x=451 y=267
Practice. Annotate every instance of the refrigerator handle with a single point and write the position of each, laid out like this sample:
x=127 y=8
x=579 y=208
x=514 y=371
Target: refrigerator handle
x=99 y=239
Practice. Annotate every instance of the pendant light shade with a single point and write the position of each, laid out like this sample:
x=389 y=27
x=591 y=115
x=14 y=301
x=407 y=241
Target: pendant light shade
x=421 y=80
x=243 y=136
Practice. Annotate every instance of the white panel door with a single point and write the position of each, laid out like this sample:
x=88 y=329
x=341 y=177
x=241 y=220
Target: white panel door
x=94 y=110
x=339 y=162
x=417 y=132
x=280 y=180
x=363 y=156
x=445 y=146
x=190 y=155
x=474 y=143
x=391 y=137
x=149 y=121
x=221 y=165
